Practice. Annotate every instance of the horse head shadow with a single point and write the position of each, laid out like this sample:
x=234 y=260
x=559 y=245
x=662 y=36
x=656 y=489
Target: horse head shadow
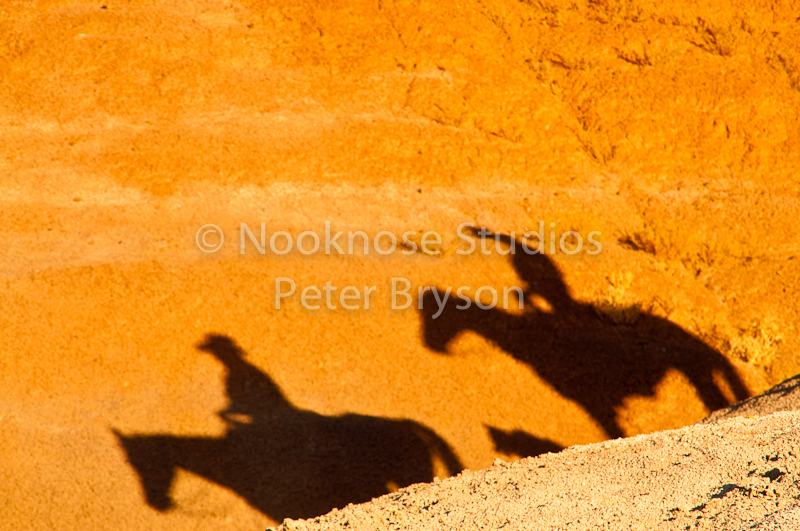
x=593 y=362
x=284 y=461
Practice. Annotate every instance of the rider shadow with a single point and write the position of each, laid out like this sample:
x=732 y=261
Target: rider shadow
x=595 y=363
x=284 y=461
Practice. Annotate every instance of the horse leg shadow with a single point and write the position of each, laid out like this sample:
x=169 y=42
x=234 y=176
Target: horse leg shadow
x=520 y=443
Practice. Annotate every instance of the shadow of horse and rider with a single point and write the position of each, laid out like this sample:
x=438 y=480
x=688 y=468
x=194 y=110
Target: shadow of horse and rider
x=590 y=361
x=284 y=461
x=288 y=462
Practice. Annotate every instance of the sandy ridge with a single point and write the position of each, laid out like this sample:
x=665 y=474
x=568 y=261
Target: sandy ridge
x=733 y=474
x=783 y=397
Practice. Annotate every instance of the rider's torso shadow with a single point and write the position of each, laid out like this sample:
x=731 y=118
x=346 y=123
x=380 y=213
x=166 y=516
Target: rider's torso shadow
x=287 y=462
x=590 y=361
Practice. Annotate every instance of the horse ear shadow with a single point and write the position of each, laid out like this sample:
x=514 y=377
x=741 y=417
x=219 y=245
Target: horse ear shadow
x=125 y=443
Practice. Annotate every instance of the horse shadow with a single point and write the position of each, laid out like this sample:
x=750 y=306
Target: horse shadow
x=284 y=461
x=595 y=363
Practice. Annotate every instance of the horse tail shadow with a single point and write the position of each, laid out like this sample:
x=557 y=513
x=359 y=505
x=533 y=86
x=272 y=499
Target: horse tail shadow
x=710 y=373
x=439 y=449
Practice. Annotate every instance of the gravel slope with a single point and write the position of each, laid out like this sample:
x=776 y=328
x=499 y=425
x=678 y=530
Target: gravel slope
x=783 y=397
x=736 y=473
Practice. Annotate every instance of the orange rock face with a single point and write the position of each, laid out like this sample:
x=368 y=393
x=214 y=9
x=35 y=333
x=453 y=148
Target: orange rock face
x=672 y=131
